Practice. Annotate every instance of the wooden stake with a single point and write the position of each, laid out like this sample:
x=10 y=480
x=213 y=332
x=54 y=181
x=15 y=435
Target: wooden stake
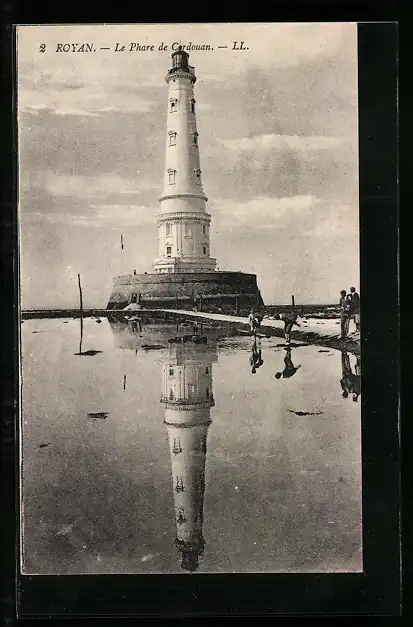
x=81 y=313
x=80 y=294
x=81 y=334
x=292 y=301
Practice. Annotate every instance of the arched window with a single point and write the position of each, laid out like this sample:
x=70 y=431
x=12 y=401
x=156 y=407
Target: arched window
x=204 y=229
x=168 y=229
x=188 y=229
x=196 y=135
x=204 y=248
x=168 y=251
x=192 y=103
x=198 y=176
x=173 y=104
x=171 y=176
x=171 y=394
x=172 y=138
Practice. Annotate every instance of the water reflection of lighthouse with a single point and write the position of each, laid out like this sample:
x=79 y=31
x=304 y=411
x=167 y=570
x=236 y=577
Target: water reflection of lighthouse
x=188 y=397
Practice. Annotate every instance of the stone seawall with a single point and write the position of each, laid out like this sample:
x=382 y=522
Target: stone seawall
x=227 y=292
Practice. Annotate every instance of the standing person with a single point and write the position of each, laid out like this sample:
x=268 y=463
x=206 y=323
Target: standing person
x=290 y=319
x=344 y=313
x=254 y=321
x=355 y=307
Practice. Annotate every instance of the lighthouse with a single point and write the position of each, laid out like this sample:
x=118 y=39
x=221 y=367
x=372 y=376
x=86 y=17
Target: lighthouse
x=184 y=275
x=187 y=397
x=183 y=222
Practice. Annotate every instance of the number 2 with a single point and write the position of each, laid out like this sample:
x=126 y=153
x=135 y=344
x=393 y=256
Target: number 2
x=42 y=47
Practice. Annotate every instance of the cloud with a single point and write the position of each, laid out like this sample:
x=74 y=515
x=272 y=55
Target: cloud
x=308 y=215
x=278 y=166
x=93 y=84
x=110 y=216
x=91 y=186
x=92 y=99
x=261 y=212
x=303 y=143
x=123 y=215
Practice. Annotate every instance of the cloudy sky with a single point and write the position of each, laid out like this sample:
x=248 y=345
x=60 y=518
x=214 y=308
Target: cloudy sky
x=278 y=145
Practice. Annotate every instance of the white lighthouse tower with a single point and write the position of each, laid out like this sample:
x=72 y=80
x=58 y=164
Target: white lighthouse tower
x=188 y=398
x=183 y=223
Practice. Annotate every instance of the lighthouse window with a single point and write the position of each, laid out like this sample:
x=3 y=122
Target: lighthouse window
x=207 y=392
x=191 y=389
x=206 y=370
x=205 y=250
x=198 y=176
x=171 y=372
x=172 y=138
x=177 y=446
x=168 y=228
x=168 y=251
x=181 y=516
x=171 y=394
x=204 y=229
x=196 y=139
x=179 y=487
x=192 y=106
x=171 y=176
x=188 y=230
x=173 y=104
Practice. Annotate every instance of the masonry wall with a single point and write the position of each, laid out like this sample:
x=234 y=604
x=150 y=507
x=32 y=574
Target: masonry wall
x=229 y=292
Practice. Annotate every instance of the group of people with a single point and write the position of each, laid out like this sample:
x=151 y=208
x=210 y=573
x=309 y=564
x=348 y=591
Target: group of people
x=289 y=318
x=349 y=310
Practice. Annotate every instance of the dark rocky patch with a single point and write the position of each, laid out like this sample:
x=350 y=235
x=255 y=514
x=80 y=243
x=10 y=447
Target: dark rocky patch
x=90 y=353
x=305 y=413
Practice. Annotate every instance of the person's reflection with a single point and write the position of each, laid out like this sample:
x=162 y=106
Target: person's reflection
x=136 y=325
x=187 y=397
x=289 y=368
x=350 y=381
x=256 y=355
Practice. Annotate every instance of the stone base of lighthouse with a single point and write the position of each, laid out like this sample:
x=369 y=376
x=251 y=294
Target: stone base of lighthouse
x=233 y=293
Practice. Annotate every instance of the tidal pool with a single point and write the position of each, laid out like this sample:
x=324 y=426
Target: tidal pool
x=141 y=455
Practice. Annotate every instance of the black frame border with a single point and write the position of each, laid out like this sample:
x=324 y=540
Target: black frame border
x=378 y=590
